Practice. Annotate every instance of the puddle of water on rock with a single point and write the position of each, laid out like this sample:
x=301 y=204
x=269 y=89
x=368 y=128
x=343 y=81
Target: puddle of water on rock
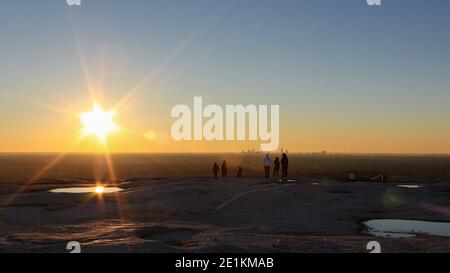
x=410 y=186
x=406 y=228
x=87 y=190
x=289 y=180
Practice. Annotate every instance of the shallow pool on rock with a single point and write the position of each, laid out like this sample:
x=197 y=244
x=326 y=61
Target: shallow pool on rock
x=410 y=186
x=406 y=228
x=87 y=190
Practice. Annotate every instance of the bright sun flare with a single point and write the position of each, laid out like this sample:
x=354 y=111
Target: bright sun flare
x=98 y=122
x=99 y=189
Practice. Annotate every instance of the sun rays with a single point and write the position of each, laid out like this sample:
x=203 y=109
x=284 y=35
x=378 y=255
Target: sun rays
x=97 y=122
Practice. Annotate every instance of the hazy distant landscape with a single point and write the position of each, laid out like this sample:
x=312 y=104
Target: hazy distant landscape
x=20 y=167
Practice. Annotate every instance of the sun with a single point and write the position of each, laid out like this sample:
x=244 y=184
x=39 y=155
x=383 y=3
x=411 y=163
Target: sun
x=98 y=122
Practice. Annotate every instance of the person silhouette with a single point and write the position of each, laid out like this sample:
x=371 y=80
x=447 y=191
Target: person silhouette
x=276 y=167
x=224 y=168
x=239 y=172
x=215 y=170
x=284 y=165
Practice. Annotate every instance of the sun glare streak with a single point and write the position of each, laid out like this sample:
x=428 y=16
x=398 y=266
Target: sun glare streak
x=42 y=171
x=113 y=178
x=83 y=61
x=37 y=103
x=152 y=73
x=149 y=76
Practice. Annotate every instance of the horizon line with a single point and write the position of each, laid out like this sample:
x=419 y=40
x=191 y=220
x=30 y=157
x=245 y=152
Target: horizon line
x=234 y=152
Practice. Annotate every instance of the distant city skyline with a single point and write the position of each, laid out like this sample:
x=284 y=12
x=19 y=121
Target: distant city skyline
x=348 y=77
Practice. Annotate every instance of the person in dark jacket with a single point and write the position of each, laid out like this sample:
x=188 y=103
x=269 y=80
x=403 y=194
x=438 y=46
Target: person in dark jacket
x=239 y=172
x=224 y=169
x=215 y=170
x=276 y=166
x=284 y=165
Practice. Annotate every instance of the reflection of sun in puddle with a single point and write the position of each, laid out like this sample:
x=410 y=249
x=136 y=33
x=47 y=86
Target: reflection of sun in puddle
x=406 y=228
x=97 y=189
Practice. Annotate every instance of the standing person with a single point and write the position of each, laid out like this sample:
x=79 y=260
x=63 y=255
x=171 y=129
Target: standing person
x=224 y=168
x=239 y=172
x=267 y=165
x=215 y=170
x=284 y=165
x=276 y=166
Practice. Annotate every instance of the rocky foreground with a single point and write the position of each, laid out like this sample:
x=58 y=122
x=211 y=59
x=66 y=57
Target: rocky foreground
x=205 y=215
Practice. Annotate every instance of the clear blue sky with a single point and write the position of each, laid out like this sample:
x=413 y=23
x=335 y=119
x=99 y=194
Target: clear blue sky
x=331 y=65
